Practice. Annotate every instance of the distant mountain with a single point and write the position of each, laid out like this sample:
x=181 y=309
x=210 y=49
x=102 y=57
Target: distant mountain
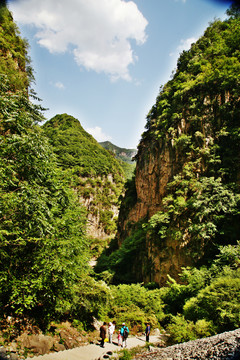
x=123 y=154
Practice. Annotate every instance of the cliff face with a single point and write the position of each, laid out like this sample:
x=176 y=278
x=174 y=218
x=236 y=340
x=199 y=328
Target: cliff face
x=101 y=205
x=155 y=167
x=14 y=61
x=187 y=172
x=157 y=164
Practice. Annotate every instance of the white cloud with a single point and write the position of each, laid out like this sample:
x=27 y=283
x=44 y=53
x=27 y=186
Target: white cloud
x=98 y=31
x=59 y=85
x=98 y=134
x=184 y=45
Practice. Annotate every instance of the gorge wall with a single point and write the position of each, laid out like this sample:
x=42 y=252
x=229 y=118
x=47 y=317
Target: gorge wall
x=186 y=188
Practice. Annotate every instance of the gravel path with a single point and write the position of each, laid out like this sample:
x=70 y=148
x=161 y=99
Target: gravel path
x=93 y=351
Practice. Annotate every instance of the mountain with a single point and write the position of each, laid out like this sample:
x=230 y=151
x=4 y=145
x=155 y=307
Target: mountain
x=184 y=200
x=123 y=154
x=94 y=173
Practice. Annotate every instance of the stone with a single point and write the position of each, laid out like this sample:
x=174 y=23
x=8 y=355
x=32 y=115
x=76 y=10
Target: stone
x=96 y=324
x=3 y=353
x=13 y=357
x=39 y=344
x=59 y=347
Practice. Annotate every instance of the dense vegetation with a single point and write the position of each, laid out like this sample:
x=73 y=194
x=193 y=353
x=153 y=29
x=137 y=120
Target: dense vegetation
x=13 y=60
x=95 y=175
x=44 y=250
x=41 y=276
x=39 y=216
x=207 y=302
x=76 y=148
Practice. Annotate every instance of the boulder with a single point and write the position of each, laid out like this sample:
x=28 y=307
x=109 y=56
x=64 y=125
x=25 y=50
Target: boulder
x=39 y=344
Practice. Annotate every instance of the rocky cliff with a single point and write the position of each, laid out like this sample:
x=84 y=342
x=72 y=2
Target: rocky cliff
x=187 y=172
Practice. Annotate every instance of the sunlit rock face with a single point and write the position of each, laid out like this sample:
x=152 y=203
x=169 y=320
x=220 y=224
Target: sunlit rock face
x=157 y=163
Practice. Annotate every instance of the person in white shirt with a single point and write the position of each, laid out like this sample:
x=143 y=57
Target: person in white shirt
x=111 y=329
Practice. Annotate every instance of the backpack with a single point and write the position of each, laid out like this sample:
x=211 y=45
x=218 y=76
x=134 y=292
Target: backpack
x=125 y=333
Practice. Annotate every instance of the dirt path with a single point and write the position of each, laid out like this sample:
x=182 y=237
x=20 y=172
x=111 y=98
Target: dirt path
x=93 y=351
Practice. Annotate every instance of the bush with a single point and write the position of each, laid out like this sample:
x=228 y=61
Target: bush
x=182 y=330
x=126 y=355
x=136 y=306
x=218 y=302
x=204 y=328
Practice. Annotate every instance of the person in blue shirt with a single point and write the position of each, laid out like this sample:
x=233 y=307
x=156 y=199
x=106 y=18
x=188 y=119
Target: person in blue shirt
x=124 y=333
x=147 y=332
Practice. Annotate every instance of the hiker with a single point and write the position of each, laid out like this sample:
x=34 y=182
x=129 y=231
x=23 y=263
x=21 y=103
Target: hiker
x=119 y=337
x=147 y=332
x=111 y=329
x=103 y=332
x=124 y=333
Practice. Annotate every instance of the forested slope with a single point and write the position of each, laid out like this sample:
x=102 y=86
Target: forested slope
x=95 y=174
x=125 y=156
x=14 y=60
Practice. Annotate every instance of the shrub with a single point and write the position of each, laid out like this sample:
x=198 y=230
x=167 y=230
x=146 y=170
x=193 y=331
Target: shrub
x=204 y=328
x=218 y=302
x=181 y=330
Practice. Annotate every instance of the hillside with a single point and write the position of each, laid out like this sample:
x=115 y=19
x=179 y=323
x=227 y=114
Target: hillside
x=125 y=157
x=123 y=154
x=184 y=200
x=93 y=172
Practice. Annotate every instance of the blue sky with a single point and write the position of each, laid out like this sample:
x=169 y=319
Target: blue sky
x=103 y=61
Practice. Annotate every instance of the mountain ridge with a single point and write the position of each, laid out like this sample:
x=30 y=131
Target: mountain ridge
x=121 y=153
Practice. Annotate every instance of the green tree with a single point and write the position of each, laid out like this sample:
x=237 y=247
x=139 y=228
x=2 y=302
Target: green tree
x=43 y=249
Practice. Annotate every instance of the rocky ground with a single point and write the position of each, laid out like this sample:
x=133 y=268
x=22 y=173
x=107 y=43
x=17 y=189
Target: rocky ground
x=222 y=346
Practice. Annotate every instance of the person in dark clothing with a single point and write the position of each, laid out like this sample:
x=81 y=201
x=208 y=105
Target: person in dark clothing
x=103 y=332
x=147 y=332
